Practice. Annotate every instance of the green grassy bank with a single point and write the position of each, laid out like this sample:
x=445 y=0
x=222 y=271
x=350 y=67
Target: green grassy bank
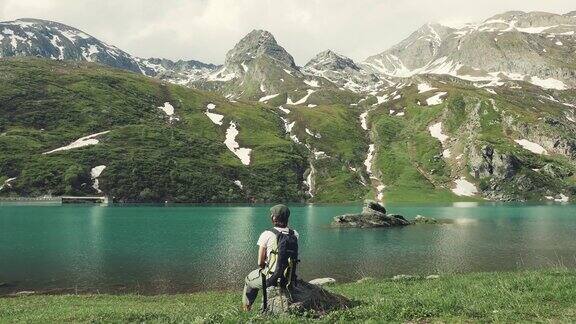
x=541 y=296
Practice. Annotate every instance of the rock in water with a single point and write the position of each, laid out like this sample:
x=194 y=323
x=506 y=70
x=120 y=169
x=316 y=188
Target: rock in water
x=373 y=215
x=304 y=297
x=424 y=220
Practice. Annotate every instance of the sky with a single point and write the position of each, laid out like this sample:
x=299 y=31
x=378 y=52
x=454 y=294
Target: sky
x=205 y=30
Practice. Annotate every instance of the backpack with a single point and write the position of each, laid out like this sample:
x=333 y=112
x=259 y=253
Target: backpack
x=282 y=268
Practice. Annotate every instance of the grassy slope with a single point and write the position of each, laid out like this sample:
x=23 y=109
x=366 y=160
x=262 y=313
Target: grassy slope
x=410 y=161
x=47 y=104
x=342 y=140
x=540 y=296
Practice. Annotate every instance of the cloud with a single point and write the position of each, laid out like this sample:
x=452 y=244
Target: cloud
x=206 y=29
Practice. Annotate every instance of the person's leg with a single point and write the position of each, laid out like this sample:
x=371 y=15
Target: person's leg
x=252 y=284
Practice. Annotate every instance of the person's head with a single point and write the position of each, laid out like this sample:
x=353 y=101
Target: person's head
x=279 y=215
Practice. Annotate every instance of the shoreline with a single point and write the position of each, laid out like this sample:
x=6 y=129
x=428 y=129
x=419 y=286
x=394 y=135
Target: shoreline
x=543 y=295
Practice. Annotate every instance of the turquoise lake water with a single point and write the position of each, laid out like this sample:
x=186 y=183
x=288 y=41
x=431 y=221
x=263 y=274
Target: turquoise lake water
x=167 y=249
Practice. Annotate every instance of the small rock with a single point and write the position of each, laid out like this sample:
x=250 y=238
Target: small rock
x=433 y=277
x=405 y=277
x=322 y=281
x=419 y=219
x=365 y=279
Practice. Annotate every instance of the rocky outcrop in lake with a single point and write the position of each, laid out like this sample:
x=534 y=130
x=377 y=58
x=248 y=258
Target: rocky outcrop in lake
x=375 y=215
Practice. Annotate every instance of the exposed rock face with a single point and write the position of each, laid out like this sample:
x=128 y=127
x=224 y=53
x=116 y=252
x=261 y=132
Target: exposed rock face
x=305 y=297
x=256 y=44
x=487 y=162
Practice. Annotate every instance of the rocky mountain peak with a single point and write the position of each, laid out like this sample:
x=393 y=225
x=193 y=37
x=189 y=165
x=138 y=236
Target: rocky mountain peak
x=256 y=44
x=329 y=60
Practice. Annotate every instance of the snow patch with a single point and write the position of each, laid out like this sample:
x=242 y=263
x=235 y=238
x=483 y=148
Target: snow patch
x=363 y=122
x=369 y=159
x=215 y=118
x=436 y=132
x=94 y=174
x=435 y=99
x=312 y=105
x=284 y=110
x=266 y=98
x=423 y=87
x=239 y=184
x=168 y=109
x=6 y=183
x=81 y=142
x=312 y=83
x=380 y=188
x=464 y=188
x=531 y=146
x=301 y=101
x=242 y=153
x=549 y=83
x=309 y=182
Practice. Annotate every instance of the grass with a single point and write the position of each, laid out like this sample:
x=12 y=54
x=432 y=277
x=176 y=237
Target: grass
x=534 y=296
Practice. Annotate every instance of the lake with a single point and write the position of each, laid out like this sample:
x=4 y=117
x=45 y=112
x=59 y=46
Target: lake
x=168 y=249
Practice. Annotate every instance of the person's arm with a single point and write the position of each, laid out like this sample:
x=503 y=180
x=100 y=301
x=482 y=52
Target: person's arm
x=262 y=257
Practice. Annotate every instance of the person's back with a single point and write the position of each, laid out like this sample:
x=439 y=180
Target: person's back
x=277 y=252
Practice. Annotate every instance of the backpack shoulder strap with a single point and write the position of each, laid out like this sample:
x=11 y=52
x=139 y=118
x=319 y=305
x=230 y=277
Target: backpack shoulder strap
x=291 y=231
x=275 y=231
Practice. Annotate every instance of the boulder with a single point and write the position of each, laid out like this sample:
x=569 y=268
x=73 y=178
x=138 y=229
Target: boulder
x=419 y=219
x=371 y=204
x=304 y=297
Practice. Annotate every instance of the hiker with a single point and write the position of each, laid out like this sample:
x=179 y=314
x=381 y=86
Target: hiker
x=277 y=258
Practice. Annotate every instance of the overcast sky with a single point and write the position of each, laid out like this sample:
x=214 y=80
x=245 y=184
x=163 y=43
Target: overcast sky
x=205 y=29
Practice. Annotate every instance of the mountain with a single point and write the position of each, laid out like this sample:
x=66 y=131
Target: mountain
x=179 y=72
x=342 y=71
x=256 y=67
x=42 y=38
x=48 y=39
x=536 y=47
x=484 y=111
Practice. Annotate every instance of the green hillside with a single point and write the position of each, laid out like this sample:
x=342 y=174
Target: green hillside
x=46 y=105
x=151 y=156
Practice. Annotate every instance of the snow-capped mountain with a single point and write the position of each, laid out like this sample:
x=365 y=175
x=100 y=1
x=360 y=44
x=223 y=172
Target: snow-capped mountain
x=42 y=38
x=342 y=71
x=179 y=72
x=35 y=37
x=536 y=47
x=257 y=66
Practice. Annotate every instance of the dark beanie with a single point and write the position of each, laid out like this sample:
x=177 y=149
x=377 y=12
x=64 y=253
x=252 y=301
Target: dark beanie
x=281 y=213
